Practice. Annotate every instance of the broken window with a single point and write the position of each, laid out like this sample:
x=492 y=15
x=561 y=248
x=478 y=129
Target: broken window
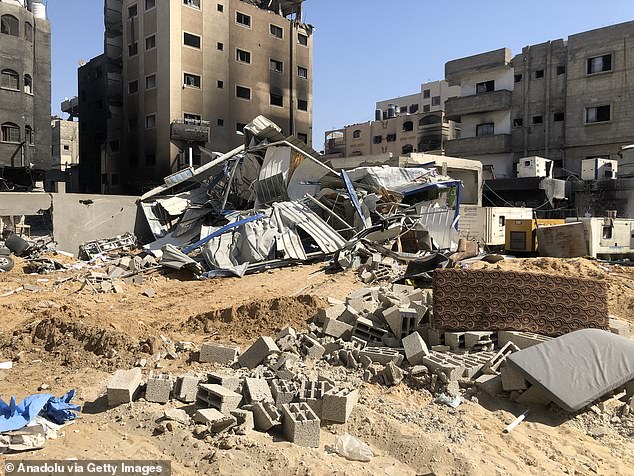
x=221 y=7
x=559 y=116
x=195 y=4
x=303 y=137
x=191 y=118
x=276 y=65
x=538 y=119
x=539 y=74
x=149 y=4
x=243 y=93
x=28 y=84
x=391 y=138
x=150 y=42
x=519 y=122
x=240 y=127
x=426 y=93
x=191 y=80
x=10 y=25
x=192 y=40
x=242 y=19
x=377 y=139
x=10 y=132
x=485 y=129
x=561 y=69
x=408 y=126
x=221 y=84
x=599 y=64
x=133 y=49
x=28 y=135
x=277 y=100
x=607 y=232
x=243 y=56
x=133 y=87
x=133 y=11
x=276 y=31
x=413 y=108
x=302 y=104
x=356 y=134
x=435 y=101
x=150 y=121
x=429 y=120
x=10 y=79
x=220 y=46
x=220 y=122
x=485 y=87
x=302 y=39
x=426 y=108
x=518 y=78
x=598 y=114
x=407 y=149
x=302 y=72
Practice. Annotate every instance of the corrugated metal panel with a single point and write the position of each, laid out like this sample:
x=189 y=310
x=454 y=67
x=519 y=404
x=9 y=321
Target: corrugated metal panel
x=328 y=240
x=440 y=224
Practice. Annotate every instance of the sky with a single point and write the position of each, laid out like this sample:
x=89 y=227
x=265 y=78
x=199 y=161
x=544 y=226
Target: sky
x=369 y=50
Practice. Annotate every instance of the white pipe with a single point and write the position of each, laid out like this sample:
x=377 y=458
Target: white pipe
x=191 y=156
x=517 y=421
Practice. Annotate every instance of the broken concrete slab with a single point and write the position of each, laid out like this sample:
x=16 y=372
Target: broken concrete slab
x=266 y=416
x=491 y=384
x=260 y=350
x=219 y=397
x=211 y=352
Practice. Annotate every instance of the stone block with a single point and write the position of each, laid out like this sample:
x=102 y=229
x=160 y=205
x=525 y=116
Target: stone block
x=159 y=388
x=286 y=332
x=512 y=380
x=312 y=393
x=300 y=425
x=534 y=395
x=258 y=352
x=284 y=391
x=186 y=388
x=266 y=416
x=256 y=390
x=392 y=374
x=332 y=312
x=367 y=330
x=229 y=382
x=216 y=421
x=415 y=348
x=453 y=369
x=479 y=338
x=338 y=405
x=382 y=355
x=435 y=337
x=455 y=340
x=440 y=348
x=523 y=340
x=210 y=352
x=124 y=386
x=311 y=349
x=338 y=329
x=219 y=397
x=491 y=384
x=244 y=418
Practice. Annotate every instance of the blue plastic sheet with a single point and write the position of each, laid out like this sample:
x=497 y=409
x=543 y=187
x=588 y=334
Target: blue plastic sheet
x=16 y=416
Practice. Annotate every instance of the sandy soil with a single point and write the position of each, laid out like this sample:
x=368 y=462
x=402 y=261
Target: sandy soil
x=65 y=339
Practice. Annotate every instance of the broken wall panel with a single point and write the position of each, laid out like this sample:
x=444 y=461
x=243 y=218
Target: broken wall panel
x=513 y=300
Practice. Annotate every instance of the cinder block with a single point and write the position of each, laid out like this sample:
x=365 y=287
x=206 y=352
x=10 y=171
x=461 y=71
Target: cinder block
x=338 y=405
x=415 y=348
x=332 y=312
x=367 y=330
x=219 y=397
x=534 y=395
x=300 y=425
x=258 y=352
x=244 y=418
x=383 y=355
x=435 y=337
x=256 y=390
x=217 y=353
x=186 y=388
x=451 y=368
x=284 y=391
x=229 y=382
x=479 y=338
x=455 y=340
x=337 y=329
x=286 y=332
x=491 y=384
x=523 y=340
x=216 y=421
x=512 y=380
x=266 y=416
x=159 y=388
x=312 y=393
x=392 y=374
x=124 y=386
x=311 y=349
x=392 y=316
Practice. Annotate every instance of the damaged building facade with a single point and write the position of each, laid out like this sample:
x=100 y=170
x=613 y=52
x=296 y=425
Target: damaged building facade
x=25 y=93
x=182 y=78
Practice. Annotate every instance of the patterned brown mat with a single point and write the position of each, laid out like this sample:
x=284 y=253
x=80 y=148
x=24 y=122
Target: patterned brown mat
x=510 y=300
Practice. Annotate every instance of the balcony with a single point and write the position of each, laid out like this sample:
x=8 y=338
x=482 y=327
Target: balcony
x=471 y=146
x=459 y=69
x=457 y=107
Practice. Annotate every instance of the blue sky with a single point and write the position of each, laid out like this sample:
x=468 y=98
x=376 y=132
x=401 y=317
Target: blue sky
x=368 y=50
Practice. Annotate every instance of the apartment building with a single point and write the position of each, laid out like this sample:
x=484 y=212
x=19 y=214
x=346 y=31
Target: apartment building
x=65 y=144
x=190 y=74
x=402 y=125
x=25 y=90
x=567 y=100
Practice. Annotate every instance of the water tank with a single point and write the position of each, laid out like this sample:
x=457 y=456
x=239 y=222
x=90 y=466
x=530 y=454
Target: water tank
x=397 y=110
x=626 y=161
x=391 y=111
x=378 y=115
x=19 y=3
x=39 y=9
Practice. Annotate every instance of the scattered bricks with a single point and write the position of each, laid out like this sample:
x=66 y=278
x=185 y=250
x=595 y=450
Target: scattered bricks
x=392 y=316
x=478 y=338
x=244 y=418
x=349 y=316
x=258 y=352
x=216 y=353
x=415 y=348
x=337 y=329
x=492 y=366
x=286 y=332
x=124 y=386
x=226 y=381
x=367 y=330
x=620 y=328
x=284 y=391
x=257 y=390
x=300 y=425
x=435 y=337
x=440 y=348
x=338 y=405
x=216 y=421
x=148 y=261
x=455 y=340
x=149 y=293
x=332 y=312
x=115 y=272
x=186 y=388
x=125 y=263
x=266 y=416
x=311 y=349
x=312 y=393
x=512 y=380
x=534 y=395
x=219 y=397
x=389 y=340
x=491 y=384
x=410 y=318
x=382 y=355
x=358 y=343
x=451 y=368
x=177 y=415
x=523 y=340
x=159 y=388
x=419 y=370
x=392 y=375
x=365 y=294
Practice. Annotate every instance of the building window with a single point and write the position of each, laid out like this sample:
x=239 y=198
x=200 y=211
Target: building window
x=191 y=80
x=539 y=74
x=599 y=64
x=221 y=7
x=240 y=127
x=561 y=69
x=598 y=114
x=67 y=148
x=133 y=49
x=408 y=126
x=221 y=122
x=426 y=108
x=302 y=105
x=10 y=80
x=150 y=121
x=150 y=42
x=486 y=129
x=559 y=116
x=150 y=160
x=302 y=72
x=275 y=65
x=277 y=100
x=149 y=4
x=435 y=101
x=518 y=78
x=356 y=134
x=192 y=3
x=221 y=84
x=9 y=25
x=518 y=122
x=426 y=93
x=538 y=119
x=114 y=146
x=220 y=46
x=243 y=93
x=377 y=139
x=10 y=132
x=485 y=87
x=28 y=84
x=302 y=39
x=191 y=40
x=28 y=135
x=28 y=31
x=133 y=87
x=242 y=19
x=429 y=120
x=407 y=149
x=243 y=56
x=192 y=118
x=133 y=11
x=391 y=138
x=303 y=137
x=150 y=81
x=413 y=108
x=276 y=31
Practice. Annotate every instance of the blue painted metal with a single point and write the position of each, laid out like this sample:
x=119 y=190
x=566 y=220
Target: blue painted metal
x=222 y=231
x=353 y=196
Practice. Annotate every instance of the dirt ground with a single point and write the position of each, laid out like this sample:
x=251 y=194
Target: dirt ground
x=67 y=339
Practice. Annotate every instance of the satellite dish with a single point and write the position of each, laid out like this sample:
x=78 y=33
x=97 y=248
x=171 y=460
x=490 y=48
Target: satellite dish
x=81 y=63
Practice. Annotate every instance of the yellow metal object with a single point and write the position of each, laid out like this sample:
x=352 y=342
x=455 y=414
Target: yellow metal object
x=521 y=235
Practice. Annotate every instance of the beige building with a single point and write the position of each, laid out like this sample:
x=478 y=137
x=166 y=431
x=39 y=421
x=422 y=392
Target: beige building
x=431 y=98
x=192 y=73
x=65 y=144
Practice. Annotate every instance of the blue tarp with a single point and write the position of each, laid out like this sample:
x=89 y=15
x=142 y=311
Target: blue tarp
x=16 y=416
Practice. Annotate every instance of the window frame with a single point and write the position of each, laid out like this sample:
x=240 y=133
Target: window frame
x=153 y=38
x=603 y=71
x=238 y=60
x=147 y=9
x=482 y=126
x=277 y=63
x=9 y=128
x=271 y=25
x=276 y=96
x=244 y=25
x=537 y=120
x=302 y=35
x=130 y=83
x=149 y=88
x=487 y=86
x=28 y=32
x=135 y=45
x=148 y=116
x=587 y=109
x=190 y=4
x=408 y=126
x=193 y=76
x=200 y=40
x=245 y=88
x=9 y=73
x=299 y=103
x=8 y=16
x=136 y=11
x=300 y=69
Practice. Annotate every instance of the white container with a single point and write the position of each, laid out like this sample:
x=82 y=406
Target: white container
x=487 y=225
x=39 y=10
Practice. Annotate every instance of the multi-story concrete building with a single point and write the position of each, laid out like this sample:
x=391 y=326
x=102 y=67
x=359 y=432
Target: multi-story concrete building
x=402 y=125
x=65 y=144
x=25 y=88
x=187 y=75
x=566 y=100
